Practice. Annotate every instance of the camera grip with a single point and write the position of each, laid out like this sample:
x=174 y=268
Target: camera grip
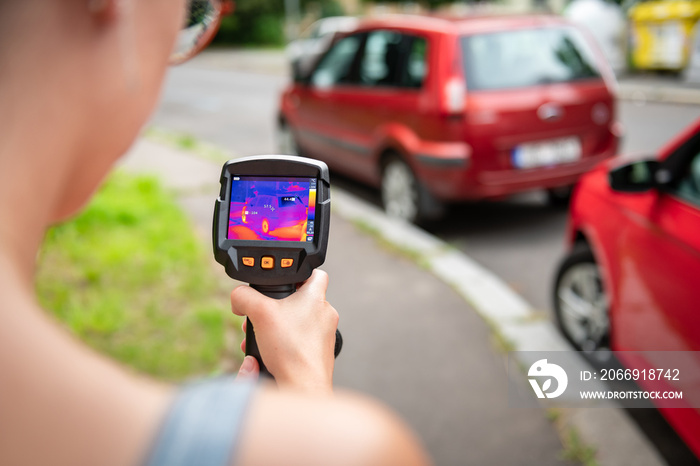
x=251 y=345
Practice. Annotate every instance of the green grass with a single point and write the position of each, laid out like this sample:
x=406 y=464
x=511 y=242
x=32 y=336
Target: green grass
x=576 y=450
x=188 y=143
x=416 y=256
x=130 y=278
x=500 y=342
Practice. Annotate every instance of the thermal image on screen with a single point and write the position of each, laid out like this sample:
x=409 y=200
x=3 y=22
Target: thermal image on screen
x=272 y=209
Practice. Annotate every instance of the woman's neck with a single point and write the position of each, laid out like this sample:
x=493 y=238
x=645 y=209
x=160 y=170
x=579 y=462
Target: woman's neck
x=35 y=156
x=24 y=211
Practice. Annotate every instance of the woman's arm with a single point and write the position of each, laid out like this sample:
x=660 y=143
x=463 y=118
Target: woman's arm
x=295 y=428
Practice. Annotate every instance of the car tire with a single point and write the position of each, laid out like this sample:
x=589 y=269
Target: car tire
x=265 y=226
x=286 y=142
x=581 y=305
x=559 y=197
x=404 y=197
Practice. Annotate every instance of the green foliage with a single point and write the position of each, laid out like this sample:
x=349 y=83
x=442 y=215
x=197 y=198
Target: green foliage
x=129 y=277
x=261 y=22
x=331 y=8
x=265 y=29
x=431 y=4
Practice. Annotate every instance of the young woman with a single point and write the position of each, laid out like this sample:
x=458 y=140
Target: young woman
x=78 y=79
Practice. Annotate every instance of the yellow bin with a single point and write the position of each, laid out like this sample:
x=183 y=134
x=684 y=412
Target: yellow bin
x=661 y=34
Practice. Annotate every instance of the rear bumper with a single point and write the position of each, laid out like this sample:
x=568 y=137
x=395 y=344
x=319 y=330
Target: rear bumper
x=452 y=183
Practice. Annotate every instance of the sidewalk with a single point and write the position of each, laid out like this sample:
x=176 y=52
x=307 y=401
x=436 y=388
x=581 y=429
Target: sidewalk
x=653 y=87
x=412 y=340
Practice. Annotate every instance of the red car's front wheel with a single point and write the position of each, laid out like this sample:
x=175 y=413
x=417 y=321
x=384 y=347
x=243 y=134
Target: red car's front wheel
x=580 y=302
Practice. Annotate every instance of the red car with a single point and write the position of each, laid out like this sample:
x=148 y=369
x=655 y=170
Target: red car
x=631 y=281
x=436 y=110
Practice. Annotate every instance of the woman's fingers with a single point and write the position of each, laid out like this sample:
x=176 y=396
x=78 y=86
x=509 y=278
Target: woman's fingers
x=249 y=368
x=246 y=301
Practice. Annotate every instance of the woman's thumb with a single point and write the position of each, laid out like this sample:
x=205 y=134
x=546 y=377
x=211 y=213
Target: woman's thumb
x=249 y=368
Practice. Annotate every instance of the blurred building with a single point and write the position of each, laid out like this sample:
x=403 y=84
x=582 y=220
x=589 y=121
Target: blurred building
x=607 y=24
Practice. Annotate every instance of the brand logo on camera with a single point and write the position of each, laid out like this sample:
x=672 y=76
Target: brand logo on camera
x=543 y=370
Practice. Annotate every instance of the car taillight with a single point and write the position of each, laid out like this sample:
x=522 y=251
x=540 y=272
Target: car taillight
x=455 y=92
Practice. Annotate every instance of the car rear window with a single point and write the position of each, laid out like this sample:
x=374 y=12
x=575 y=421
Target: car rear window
x=527 y=57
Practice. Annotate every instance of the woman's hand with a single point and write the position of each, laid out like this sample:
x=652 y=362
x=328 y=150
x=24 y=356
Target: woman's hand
x=295 y=335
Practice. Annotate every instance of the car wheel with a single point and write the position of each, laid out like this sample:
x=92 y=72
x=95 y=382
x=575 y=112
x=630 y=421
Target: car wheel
x=286 y=143
x=265 y=226
x=580 y=302
x=404 y=197
x=559 y=197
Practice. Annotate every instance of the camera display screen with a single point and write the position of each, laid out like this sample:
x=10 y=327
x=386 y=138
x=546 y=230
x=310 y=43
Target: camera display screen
x=272 y=208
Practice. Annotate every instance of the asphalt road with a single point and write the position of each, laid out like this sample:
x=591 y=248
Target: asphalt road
x=521 y=239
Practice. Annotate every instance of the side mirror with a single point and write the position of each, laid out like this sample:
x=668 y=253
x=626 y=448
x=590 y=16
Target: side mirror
x=302 y=68
x=297 y=73
x=637 y=177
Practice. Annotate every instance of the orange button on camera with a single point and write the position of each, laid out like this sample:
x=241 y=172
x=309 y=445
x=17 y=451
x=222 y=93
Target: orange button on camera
x=286 y=263
x=267 y=262
x=249 y=261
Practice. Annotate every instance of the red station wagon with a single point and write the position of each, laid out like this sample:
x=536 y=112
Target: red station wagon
x=631 y=281
x=436 y=110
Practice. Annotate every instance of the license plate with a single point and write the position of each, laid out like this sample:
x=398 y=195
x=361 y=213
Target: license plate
x=547 y=153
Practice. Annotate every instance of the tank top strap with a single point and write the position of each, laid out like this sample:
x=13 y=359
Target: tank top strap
x=203 y=424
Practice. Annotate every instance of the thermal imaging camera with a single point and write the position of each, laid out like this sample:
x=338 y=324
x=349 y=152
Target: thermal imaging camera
x=271 y=224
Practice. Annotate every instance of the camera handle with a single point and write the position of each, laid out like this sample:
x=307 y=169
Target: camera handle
x=251 y=345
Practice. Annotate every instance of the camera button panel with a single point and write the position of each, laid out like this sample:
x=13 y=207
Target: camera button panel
x=286 y=263
x=267 y=262
x=248 y=261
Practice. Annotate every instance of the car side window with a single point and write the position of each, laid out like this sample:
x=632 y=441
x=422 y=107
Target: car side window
x=416 y=63
x=336 y=66
x=393 y=59
x=380 y=62
x=688 y=186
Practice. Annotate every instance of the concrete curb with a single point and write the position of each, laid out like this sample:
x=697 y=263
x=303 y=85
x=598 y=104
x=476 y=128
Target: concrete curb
x=615 y=437
x=637 y=92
